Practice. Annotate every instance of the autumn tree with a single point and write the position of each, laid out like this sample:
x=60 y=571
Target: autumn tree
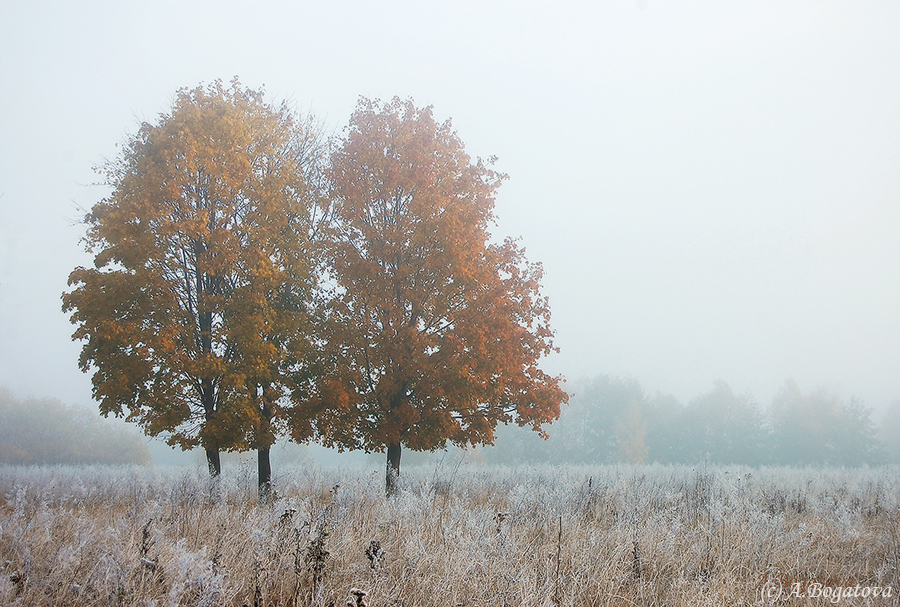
x=431 y=332
x=631 y=430
x=197 y=300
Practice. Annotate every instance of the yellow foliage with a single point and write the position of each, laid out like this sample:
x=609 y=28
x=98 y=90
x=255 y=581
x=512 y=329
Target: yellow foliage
x=202 y=269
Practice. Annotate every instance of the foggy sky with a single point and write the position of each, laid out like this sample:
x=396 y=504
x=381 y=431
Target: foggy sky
x=712 y=187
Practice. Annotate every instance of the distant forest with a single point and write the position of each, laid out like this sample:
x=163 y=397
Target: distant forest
x=610 y=419
x=45 y=431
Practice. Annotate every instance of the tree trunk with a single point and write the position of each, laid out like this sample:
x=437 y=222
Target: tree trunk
x=212 y=460
x=393 y=470
x=207 y=386
x=264 y=464
x=208 y=398
x=264 y=468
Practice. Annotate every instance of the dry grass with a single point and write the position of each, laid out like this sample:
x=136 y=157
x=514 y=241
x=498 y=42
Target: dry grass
x=617 y=536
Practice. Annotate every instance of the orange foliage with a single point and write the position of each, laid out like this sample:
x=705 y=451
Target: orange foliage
x=430 y=332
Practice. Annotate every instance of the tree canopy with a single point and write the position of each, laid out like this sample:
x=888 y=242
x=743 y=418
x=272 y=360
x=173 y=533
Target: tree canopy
x=197 y=301
x=431 y=331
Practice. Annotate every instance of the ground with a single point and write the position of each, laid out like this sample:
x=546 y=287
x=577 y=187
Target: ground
x=456 y=535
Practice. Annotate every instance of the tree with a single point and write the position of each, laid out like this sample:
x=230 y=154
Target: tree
x=198 y=298
x=432 y=333
x=820 y=428
x=632 y=433
x=589 y=429
x=889 y=432
x=724 y=427
x=612 y=408
x=667 y=429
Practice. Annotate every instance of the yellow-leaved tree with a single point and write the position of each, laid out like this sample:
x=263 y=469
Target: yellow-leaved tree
x=197 y=304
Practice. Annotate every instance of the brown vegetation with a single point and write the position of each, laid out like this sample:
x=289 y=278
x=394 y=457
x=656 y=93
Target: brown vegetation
x=622 y=535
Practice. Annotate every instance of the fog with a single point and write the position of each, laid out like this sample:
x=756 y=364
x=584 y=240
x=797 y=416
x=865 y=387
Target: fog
x=712 y=187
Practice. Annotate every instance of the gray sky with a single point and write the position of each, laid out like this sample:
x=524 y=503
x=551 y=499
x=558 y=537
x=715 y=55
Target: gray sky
x=712 y=186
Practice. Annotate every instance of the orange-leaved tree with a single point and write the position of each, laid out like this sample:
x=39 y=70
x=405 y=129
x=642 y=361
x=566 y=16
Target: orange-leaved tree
x=199 y=297
x=431 y=332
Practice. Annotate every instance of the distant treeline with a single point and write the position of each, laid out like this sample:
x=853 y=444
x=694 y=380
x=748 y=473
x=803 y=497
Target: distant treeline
x=611 y=419
x=45 y=431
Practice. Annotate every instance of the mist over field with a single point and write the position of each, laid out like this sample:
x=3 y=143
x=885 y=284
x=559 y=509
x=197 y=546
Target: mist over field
x=711 y=188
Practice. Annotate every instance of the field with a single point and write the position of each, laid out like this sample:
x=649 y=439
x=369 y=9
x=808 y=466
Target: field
x=458 y=535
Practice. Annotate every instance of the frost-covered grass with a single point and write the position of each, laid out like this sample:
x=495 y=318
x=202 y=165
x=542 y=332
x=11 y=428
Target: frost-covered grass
x=457 y=535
